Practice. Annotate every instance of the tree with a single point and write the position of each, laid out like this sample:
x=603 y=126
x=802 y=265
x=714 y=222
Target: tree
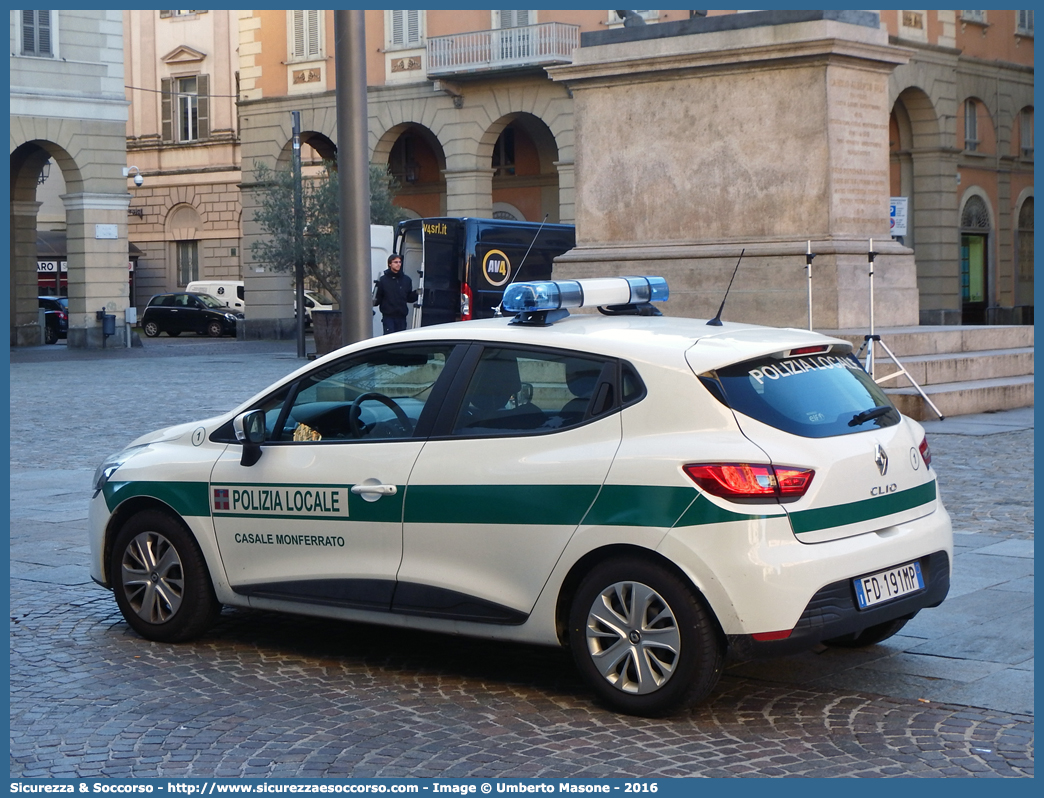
x=320 y=201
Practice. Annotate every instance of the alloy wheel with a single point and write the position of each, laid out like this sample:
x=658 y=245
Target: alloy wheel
x=153 y=578
x=633 y=637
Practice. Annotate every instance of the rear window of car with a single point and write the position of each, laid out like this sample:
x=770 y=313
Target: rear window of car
x=816 y=396
x=161 y=300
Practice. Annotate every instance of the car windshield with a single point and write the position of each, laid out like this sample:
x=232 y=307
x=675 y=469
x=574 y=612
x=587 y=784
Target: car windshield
x=64 y=301
x=816 y=396
x=210 y=301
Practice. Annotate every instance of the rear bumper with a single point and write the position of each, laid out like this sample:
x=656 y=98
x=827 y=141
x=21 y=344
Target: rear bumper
x=833 y=612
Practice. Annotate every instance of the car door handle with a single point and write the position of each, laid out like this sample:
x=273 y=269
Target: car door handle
x=374 y=490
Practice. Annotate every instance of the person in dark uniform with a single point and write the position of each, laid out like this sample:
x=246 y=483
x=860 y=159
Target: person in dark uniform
x=393 y=294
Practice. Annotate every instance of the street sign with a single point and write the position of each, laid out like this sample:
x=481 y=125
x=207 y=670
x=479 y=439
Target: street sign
x=897 y=215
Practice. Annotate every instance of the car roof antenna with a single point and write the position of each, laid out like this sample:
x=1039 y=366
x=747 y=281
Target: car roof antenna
x=497 y=311
x=716 y=321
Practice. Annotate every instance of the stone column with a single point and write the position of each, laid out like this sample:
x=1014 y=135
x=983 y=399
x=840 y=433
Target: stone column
x=934 y=219
x=25 y=319
x=469 y=192
x=566 y=191
x=96 y=235
x=708 y=138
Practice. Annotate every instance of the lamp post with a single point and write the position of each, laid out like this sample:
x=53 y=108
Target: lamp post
x=298 y=232
x=354 y=176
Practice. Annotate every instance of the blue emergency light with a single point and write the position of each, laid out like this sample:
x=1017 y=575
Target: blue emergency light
x=540 y=297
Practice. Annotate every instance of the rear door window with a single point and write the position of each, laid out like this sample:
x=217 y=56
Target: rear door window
x=517 y=391
x=814 y=396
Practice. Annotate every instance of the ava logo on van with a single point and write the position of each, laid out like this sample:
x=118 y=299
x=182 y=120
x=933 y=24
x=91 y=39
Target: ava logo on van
x=496 y=267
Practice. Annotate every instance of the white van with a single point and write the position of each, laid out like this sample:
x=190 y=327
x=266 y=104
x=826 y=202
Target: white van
x=230 y=292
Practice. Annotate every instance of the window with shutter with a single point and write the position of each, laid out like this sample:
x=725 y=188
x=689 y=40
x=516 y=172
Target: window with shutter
x=1024 y=25
x=306 y=35
x=406 y=28
x=971 y=125
x=515 y=19
x=185 y=108
x=167 y=109
x=202 y=106
x=36 y=34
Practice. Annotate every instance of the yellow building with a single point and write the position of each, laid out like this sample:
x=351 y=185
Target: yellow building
x=183 y=139
x=961 y=137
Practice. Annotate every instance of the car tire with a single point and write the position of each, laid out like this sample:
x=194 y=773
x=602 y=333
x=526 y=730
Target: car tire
x=643 y=640
x=50 y=335
x=151 y=329
x=161 y=580
x=215 y=329
x=869 y=636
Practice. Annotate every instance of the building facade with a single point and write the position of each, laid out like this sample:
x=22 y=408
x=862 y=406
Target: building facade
x=463 y=112
x=68 y=126
x=961 y=138
x=182 y=139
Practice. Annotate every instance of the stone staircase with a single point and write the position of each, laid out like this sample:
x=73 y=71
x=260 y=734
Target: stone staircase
x=962 y=369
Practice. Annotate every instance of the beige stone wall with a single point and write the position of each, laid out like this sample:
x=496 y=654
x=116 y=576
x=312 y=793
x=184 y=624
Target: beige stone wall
x=71 y=108
x=691 y=149
x=216 y=200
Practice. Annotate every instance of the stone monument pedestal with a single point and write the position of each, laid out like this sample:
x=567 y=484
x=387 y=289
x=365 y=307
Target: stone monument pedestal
x=760 y=132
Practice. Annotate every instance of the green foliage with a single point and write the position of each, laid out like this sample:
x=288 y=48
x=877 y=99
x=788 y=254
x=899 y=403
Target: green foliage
x=320 y=203
x=383 y=187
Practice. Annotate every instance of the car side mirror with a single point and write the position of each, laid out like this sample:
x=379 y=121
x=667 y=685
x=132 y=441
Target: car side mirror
x=250 y=431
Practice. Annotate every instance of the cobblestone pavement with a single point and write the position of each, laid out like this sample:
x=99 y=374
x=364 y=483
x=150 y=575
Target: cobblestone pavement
x=987 y=482
x=264 y=695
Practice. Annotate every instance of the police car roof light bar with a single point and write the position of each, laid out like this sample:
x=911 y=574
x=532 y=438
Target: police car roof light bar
x=533 y=301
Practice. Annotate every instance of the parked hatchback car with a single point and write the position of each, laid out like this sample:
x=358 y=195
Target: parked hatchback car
x=188 y=312
x=56 y=317
x=649 y=492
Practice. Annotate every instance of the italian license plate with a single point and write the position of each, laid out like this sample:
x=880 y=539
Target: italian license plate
x=887 y=585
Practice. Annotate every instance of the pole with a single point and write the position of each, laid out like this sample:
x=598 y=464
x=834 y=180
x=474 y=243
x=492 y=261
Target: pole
x=353 y=176
x=870 y=255
x=808 y=267
x=298 y=232
x=418 y=306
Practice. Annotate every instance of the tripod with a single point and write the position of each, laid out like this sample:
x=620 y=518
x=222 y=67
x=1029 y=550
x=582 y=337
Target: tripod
x=872 y=338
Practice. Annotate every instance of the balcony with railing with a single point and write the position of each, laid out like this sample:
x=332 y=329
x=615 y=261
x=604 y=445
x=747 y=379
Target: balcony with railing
x=501 y=50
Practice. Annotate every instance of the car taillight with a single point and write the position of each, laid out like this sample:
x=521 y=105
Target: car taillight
x=926 y=453
x=63 y=315
x=465 y=302
x=751 y=480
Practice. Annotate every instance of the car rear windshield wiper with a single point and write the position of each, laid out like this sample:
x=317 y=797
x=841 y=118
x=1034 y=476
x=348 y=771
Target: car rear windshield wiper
x=866 y=415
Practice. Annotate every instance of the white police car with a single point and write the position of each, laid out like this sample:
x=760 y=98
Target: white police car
x=648 y=491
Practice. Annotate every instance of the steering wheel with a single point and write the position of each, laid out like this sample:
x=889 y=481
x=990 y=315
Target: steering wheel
x=355 y=423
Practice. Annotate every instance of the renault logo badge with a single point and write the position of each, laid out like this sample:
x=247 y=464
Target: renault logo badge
x=881 y=459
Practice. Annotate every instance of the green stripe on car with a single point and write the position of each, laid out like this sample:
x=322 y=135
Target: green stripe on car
x=552 y=505
x=866 y=510
x=185 y=498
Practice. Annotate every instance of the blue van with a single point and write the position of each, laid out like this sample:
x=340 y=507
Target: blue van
x=463 y=265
